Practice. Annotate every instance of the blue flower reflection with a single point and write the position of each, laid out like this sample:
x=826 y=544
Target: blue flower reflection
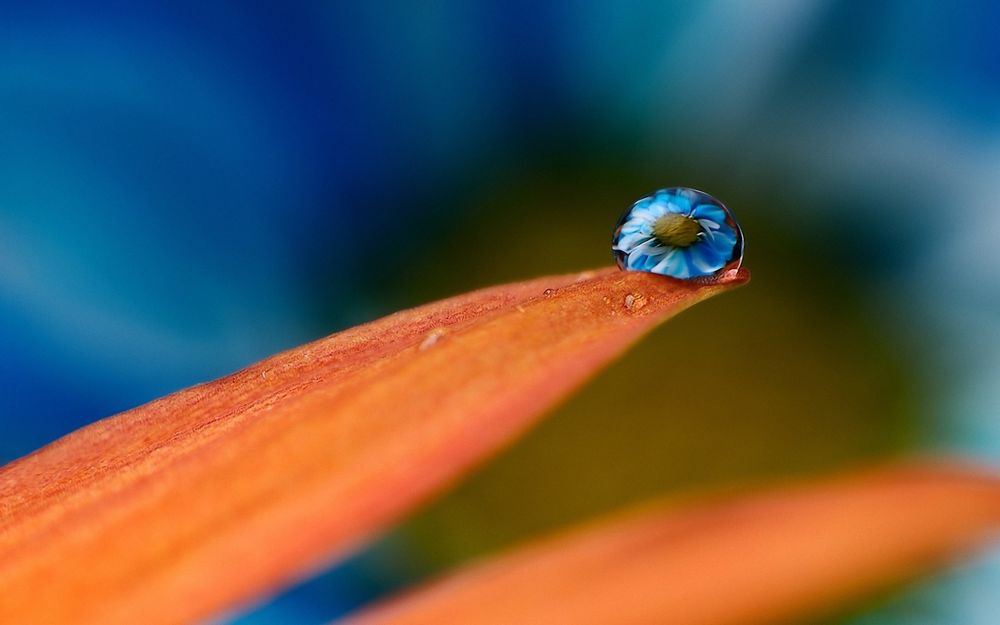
x=677 y=232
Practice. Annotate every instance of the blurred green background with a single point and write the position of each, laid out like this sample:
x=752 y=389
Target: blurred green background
x=768 y=380
x=186 y=189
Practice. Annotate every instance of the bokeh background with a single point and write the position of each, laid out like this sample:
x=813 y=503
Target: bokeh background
x=186 y=188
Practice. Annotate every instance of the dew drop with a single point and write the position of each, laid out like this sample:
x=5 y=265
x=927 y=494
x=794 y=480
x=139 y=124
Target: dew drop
x=432 y=338
x=678 y=232
x=635 y=301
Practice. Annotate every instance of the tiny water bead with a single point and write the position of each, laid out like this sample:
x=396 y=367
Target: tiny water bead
x=678 y=232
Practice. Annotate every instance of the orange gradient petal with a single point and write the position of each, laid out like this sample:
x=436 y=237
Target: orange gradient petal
x=758 y=559
x=218 y=494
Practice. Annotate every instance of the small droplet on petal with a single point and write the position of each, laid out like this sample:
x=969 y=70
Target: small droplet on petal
x=548 y=292
x=432 y=338
x=678 y=232
x=635 y=301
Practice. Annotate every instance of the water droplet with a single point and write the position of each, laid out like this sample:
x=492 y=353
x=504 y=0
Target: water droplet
x=635 y=301
x=432 y=338
x=548 y=292
x=678 y=232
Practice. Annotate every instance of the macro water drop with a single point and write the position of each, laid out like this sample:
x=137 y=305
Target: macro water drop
x=678 y=232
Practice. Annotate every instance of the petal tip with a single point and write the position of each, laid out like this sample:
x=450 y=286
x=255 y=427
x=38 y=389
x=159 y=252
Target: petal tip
x=734 y=277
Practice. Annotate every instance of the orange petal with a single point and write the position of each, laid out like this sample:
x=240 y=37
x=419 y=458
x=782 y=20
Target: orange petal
x=764 y=558
x=216 y=494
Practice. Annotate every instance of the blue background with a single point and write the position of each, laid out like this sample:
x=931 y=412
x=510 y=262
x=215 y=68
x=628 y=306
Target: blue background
x=186 y=188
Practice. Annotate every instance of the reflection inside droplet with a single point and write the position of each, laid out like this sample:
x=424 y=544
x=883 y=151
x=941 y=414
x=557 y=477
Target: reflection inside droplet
x=678 y=232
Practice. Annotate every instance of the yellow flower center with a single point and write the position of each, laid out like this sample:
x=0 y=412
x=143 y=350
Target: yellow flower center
x=676 y=230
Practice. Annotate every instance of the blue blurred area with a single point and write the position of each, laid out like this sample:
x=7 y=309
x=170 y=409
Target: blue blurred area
x=186 y=188
x=171 y=177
